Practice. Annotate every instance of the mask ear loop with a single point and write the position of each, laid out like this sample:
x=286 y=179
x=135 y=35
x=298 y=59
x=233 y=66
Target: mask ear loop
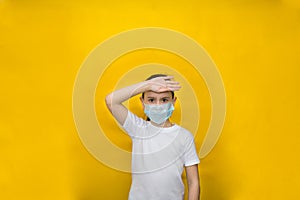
x=147 y=118
x=171 y=109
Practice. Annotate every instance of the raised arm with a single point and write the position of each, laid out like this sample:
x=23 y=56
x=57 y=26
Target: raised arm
x=114 y=100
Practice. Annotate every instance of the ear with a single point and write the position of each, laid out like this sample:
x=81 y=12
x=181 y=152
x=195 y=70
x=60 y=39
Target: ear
x=142 y=101
x=174 y=101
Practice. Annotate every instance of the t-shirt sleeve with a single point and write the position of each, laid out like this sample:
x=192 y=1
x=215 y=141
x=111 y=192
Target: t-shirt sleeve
x=133 y=124
x=190 y=156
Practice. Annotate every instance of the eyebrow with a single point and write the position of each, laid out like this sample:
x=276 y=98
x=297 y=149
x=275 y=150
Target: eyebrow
x=160 y=98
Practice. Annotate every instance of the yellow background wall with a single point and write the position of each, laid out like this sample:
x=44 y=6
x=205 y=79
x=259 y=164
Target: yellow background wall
x=255 y=45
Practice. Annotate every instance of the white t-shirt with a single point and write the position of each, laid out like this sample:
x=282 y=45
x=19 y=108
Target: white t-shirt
x=158 y=158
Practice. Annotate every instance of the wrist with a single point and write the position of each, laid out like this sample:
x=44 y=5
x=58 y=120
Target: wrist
x=144 y=86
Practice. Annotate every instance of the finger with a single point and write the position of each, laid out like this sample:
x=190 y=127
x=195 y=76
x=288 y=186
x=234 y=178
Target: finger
x=168 y=78
x=163 y=78
x=172 y=82
x=174 y=88
x=169 y=88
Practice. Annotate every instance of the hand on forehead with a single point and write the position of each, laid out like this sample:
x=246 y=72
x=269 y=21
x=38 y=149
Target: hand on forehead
x=166 y=94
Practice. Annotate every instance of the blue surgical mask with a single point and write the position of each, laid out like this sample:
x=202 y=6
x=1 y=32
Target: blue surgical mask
x=159 y=113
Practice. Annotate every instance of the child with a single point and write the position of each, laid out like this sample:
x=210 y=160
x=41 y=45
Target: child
x=160 y=149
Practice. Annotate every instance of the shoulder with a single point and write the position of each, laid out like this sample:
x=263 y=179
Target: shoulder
x=185 y=132
x=133 y=119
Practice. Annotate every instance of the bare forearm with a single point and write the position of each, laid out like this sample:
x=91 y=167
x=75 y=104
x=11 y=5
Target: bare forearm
x=121 y=95
x=115 y=99
x=194 y=191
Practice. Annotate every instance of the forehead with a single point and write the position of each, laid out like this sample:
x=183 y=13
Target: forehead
x=157 y=94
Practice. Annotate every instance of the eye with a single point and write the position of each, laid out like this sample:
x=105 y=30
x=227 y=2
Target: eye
x=165 y=100
x=151 y=100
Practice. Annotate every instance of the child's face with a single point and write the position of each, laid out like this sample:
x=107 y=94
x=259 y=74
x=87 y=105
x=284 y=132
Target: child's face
x=151 y=97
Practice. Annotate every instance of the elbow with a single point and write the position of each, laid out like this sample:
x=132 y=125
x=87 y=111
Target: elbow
x=108 y=101
x=194 y=184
